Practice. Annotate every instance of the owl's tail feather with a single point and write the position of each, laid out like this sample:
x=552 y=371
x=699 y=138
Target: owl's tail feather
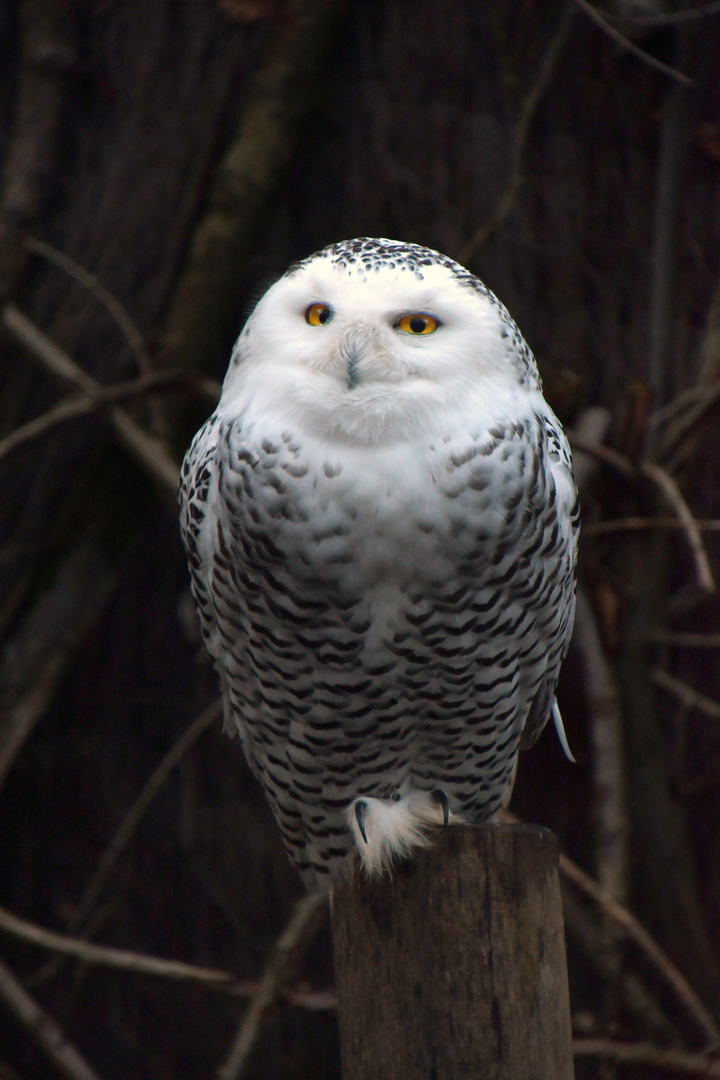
x=560 y=728
x=386 y=830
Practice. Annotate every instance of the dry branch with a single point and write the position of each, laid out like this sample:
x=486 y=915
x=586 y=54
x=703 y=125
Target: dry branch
x=95 y=287
x=123 y=959
x=675 y=1061
x=672 y=18
x=630 y=46
x=639 y=935
x=670 y=490
x=608 y=757
x=44 y=1030
x=583 y=930
x=149 y=451
x=71 y=408
x=690 y=697
x=638 y=524
x=284 y=960
x=608 y=773
x=508 y=199
x=138 y=809
x=687 y=640
x=155 y=966
x=603 y=454
x=37 y=659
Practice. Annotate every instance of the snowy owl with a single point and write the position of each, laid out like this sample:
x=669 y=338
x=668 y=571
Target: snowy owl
x=380 y=520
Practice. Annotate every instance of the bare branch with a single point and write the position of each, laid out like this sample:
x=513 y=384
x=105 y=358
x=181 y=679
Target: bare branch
x=687 y=641
x=630 y=46
x=639 y=935
x=138 y=809
x=583 y=930
x=112 y=305
x=638 y=524
x=46 y=642
x=603 y=454
x=672 y=18
x=141 y=964
x=71 y=408
x=675 y=1061
x=44 y=349
x=284 y=960
x=45 y=1031
x=682 y=418
x=149 y=451
x=90 y=953
x=671 y=491
x=506 y=202
x=608 y=757
x=689 y=697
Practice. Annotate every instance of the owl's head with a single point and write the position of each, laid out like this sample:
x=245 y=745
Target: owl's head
x=369 y=339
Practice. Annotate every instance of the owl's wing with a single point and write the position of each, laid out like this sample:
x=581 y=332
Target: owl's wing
x=197 y=497
x=559 y=463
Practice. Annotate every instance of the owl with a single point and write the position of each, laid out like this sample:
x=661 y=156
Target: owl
x=380 y=520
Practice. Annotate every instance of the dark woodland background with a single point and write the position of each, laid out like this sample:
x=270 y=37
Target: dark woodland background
x=182 y=153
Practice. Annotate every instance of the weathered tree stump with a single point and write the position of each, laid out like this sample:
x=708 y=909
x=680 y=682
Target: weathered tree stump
x=454 y=968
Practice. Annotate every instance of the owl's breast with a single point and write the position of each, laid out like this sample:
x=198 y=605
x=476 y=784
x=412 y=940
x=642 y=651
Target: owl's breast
x=343 y=517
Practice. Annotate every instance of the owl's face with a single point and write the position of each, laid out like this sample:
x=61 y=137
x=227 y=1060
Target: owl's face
x=369 y=338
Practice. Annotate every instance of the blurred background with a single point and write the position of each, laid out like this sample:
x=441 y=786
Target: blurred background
x=162 y=162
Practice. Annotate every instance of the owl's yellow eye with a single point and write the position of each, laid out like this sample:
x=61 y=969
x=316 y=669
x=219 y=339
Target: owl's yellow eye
x=419 y=322
x=318 y=314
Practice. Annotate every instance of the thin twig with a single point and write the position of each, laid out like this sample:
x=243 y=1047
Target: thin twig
x=672 y=18
x=36 y=660
x=141 y=964
x=639 y=524
x=607 y=745
x=685 y=693
x=115 y=310
x=138 y=809
x=71 y=408
x=637 y=933
x=149 y=451
x=583 y=930
x=630 y=46
x=671 y=491
x=686 y=641
x=682 y=419
x=508 y=199
x=45 y=1031
x=112 y=305
x=284 y=959
x=90 y=953
x=603 y=454
x=23 y=716
x=676 y=1061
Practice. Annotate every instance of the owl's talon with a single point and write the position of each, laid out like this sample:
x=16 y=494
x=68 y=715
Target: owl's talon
x=440 y=797
x=360 y=812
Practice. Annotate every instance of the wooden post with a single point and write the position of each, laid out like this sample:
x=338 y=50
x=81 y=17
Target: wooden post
x=453 y=968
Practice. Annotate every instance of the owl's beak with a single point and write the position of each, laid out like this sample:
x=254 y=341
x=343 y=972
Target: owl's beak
x=361 y=355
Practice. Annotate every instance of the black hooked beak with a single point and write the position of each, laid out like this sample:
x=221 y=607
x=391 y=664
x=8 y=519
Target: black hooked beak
x=352 y=370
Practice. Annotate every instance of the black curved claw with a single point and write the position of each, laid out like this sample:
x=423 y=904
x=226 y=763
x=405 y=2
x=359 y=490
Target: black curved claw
x=360 y=812
x=440 y=797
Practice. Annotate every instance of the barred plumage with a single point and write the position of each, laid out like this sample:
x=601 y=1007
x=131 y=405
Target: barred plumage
x=380 y=520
